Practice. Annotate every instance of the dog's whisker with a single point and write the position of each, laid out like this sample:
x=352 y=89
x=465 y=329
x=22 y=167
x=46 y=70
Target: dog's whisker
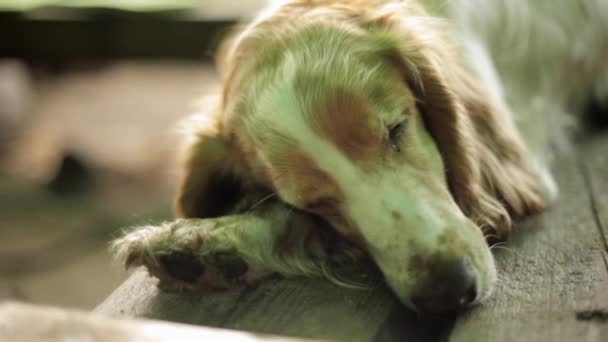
x=491 y=237
x=260 y=202
x=511 y=250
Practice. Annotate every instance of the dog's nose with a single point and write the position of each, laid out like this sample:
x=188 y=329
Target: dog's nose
x=450 y=286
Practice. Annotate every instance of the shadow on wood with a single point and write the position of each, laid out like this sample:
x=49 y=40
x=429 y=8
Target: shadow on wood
x=301 y=307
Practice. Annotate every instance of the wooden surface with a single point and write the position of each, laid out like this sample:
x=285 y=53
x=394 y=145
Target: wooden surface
x=59 y=325
x=292 y=307
x=553 y=284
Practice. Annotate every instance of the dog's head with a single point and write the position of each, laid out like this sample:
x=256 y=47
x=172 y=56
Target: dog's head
x=361 y=115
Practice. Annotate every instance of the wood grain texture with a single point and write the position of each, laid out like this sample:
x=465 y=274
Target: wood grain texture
x=554 y=269
x=595 y=167
x=300 y=307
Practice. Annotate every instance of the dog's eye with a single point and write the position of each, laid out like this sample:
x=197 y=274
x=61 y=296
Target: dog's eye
x=394 y=135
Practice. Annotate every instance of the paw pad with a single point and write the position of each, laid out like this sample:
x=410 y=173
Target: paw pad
x=231 y=265
x=182 y=266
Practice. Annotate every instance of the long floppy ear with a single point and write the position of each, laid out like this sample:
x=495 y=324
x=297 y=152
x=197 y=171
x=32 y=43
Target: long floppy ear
x=487 y=166
x=497 y=181
x=211 y=184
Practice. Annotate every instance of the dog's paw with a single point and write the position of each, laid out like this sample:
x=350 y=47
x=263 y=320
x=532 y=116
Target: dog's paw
x=187 y=255
x=181 y=271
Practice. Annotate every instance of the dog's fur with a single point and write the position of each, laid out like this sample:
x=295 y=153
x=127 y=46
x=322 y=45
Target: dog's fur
x=412 y=132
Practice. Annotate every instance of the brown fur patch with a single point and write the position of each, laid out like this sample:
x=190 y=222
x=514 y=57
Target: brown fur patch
x=207 y=187
x=312 y=185
x=344 y=119
x=317 y=191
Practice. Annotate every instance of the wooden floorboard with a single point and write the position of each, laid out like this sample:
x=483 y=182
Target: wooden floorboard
x=553 y=281
x=300 y=307
x=553 y=284
x=595 y=167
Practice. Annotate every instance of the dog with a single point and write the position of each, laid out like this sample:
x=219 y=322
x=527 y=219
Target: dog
x=408 y=132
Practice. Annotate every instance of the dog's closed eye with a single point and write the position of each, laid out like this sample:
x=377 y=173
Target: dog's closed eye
x=323 y=205
x=395 y=133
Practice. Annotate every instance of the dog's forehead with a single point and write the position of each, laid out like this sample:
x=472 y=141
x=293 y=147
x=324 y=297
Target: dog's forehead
x=336 y=116
x=330 y=102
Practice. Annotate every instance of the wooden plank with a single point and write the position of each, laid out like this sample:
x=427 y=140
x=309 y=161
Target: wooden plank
x=54 y=324
x=553 y=280
x=595 y=168
x=301 y=307
x=595 y=163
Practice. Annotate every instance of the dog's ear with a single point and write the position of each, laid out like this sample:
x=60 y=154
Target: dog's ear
x=487 y=166
x=210 y=184
x=497 y=181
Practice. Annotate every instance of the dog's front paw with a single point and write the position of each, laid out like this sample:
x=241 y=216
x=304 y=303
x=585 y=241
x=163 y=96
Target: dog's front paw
x=185 y=271
x=187 y=254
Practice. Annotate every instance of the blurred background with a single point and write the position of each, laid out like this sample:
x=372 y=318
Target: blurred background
x=90 y=92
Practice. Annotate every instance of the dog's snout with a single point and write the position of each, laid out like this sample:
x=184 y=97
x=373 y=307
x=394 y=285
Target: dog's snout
x=449 y=287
